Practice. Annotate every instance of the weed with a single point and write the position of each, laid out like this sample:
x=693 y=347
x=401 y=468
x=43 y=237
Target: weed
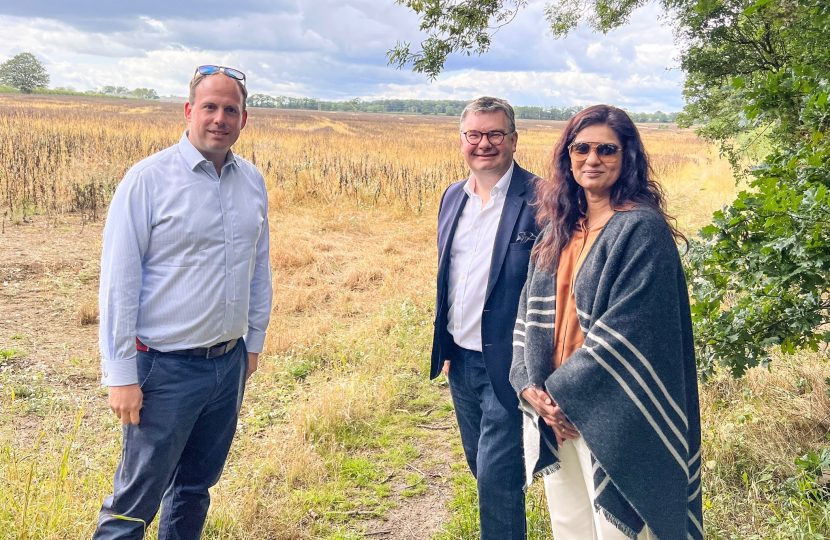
x=88 y=313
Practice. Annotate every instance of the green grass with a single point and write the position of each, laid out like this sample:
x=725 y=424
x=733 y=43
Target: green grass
x=11 y=354
x=464 y=525
x=348 y=414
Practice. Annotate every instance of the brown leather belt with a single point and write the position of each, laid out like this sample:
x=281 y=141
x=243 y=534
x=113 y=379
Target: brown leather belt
x=202 y=352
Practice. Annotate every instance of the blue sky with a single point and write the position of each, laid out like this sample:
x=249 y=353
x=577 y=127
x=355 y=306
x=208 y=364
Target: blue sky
x=336 y=50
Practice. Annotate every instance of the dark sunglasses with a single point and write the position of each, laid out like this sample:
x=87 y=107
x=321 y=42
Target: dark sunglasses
x=606 y=152
x=230 y=72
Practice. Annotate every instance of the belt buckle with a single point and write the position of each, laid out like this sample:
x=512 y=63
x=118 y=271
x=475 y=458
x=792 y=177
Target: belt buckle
x=219 y=348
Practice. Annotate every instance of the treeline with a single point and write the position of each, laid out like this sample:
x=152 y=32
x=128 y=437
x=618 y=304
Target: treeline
x=565 y=113
x=62 y=91
x=428 y=107
x=398 y=106
x=115 y=91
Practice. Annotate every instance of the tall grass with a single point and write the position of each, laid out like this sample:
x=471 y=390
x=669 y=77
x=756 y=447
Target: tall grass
x=63 y=154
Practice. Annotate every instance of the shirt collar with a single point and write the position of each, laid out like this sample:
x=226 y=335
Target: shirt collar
x=500 y=188
x=194 y=158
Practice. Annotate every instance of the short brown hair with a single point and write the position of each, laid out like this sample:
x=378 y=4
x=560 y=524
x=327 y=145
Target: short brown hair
x=491 y=104
x=198 y=77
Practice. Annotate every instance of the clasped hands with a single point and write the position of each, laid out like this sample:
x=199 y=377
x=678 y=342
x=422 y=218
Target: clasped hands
x=551 y=414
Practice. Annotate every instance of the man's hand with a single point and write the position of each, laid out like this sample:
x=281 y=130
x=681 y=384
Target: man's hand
x=125 y=402
x=446 y=369
x=551 y=414
x=253 y=361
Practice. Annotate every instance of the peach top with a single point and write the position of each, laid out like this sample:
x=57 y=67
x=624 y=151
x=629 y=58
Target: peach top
x=569 y=336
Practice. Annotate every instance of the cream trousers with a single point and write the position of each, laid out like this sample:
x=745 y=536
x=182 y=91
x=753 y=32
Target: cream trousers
x=570 y=495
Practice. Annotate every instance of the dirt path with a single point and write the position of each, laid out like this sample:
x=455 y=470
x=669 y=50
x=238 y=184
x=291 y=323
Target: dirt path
x=48 y=273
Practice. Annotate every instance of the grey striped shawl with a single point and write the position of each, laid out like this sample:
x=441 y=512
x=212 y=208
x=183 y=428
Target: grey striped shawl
x=631 y=390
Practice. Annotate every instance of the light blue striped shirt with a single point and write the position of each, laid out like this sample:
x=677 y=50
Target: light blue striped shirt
x=185 y=260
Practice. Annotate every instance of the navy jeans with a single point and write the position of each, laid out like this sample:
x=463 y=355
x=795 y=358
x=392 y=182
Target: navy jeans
x=492 y=440
x=178 y=449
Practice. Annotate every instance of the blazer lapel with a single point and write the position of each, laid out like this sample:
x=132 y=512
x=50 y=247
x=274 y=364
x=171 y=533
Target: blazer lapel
x=454 y=213
x=510 y=213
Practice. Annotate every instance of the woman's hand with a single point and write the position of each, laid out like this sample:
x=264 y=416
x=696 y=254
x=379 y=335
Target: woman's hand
x=551 y=414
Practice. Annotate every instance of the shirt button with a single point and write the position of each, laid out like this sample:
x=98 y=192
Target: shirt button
x=463 y=277
x=457 y=326
x=230 y=272
x=458 y=302
x=229 y=241
x=470 y=252
x=225 y=212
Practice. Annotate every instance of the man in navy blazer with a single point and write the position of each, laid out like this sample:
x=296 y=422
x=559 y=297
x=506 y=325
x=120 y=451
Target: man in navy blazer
x=486 y=229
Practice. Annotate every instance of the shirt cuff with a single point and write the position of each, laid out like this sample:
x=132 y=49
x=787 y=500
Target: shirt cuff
x=254 y=341
x=119 y=372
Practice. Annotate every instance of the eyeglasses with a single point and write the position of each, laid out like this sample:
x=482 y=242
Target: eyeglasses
x=495 y=137
x=606 y=152
x=230 y=72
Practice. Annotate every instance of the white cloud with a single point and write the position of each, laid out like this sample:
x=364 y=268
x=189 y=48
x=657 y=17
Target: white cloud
x=335 y=50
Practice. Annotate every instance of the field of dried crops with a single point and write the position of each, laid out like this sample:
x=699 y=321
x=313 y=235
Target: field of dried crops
x=341 y=436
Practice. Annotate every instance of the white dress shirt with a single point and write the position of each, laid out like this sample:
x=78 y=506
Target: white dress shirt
x=185 y=260
x=470 y=257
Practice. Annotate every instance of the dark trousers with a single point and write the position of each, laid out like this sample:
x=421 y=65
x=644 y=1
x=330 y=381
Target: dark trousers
x=178 y=449
x=492 y=440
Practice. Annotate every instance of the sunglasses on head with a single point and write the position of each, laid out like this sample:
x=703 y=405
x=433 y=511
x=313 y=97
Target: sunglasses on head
x=230 y=72
x=606 y=152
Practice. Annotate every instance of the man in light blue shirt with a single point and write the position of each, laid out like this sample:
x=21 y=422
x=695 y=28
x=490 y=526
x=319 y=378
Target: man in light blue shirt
x=185 y=300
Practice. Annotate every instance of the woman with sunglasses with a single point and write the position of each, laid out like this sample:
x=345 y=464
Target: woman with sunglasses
x=603 y=358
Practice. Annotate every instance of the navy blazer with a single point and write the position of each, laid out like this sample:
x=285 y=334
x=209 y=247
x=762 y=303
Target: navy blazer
x=508 y=271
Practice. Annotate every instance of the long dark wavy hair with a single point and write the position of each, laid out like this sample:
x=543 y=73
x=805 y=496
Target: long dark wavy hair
x=561 y=200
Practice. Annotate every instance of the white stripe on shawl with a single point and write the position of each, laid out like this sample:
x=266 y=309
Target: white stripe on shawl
x=642 y=408
x=694 y=495
x=694 y=476
x=541 y=311
x=595 y=467
x=694 y=457
x=582 y=315
x=519 y=332
x=541 y=299
x=601 y=487
x=518 y=344
x=647 y=365
x=644 y=386
x=541 y=324
x=696 y=522
x=534 y=323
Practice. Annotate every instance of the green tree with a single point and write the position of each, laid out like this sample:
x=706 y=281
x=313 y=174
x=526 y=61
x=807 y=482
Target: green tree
x=24 y=72
x=758 y=79
x=261 y=100
x=145 y=93
x=761 y=270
